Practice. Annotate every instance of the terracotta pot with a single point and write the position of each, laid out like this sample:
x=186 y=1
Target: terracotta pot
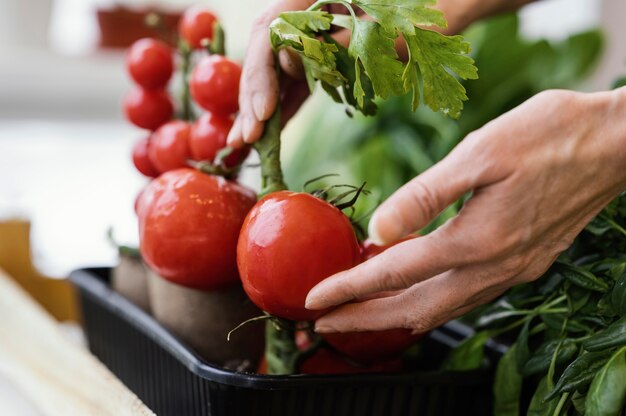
x=120 y=26
x=203 y=320
x=130 y=279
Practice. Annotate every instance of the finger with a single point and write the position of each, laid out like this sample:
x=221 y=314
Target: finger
x=399 y=267
x=235 y=137
x=421 y=308
x=418 y=202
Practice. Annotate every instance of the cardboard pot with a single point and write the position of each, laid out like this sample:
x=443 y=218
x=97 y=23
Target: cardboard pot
x=130 y=279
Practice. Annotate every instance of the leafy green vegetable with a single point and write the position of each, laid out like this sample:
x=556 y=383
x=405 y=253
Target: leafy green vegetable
x=538 y=406
x=614 y=335
x=507 y=385
x=433 y=57
x=469 y=354
x=607 y=394
x=579 y=373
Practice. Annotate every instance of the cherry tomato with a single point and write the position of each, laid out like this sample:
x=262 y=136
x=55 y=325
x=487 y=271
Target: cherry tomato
x=208 y=137
x=289 y=243
x=141 y=160
x=150 y=63
x=325 y=361
x=196 y=25
x=169 y=146
x=148 y=109
x=369 y=249
x=138 y=201
x=188 y=227
x=214 y=84
x=365 y=347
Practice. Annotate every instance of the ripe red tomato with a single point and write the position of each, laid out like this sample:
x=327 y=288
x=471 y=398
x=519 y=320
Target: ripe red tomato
x=369 y=249
x=208 y=137
x=169 y=146
x=150 y=63
x=141 y=160
x=289 y=243
x=365 y=347
x=214 y=84
x=196 y=25
x=148 y=109
x=188 y=227
x=325 y=361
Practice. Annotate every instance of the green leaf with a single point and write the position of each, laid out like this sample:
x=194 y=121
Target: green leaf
x=374 y=48
x=469 y=354
x=579 y=373
x=507 y=385
x=539 y=407
x=618 y=295
x=403 y=15
x=540 y=360
x=607 y=394
x=578 y=400
x=522 y=352
x=581 y=277
x=435 y=57
x=309 y=22
x=613 y=336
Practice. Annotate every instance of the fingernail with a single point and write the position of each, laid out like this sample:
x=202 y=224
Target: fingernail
x=248 y=125
x=234 y=136
x=312 y=301
x=259 y=105
x=323 y=328
x=373 y=231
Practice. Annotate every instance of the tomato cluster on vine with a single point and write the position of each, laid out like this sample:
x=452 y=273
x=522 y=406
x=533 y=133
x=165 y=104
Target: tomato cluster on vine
x=211 y=85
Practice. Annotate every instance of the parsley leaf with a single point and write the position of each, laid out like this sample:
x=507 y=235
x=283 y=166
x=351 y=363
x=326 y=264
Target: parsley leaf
x=403 y=15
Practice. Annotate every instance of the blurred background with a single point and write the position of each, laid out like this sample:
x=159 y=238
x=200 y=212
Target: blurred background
x=65 y=147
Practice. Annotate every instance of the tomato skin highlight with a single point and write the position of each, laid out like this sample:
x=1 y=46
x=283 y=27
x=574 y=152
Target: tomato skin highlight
x=148 y=109
x=188 y=227
x=141 y=160
x=214 y=84
x=150 y=63
x=169 y=146
x=208 y=137
x=195 y=25
x=366 y=347
x=288 y=244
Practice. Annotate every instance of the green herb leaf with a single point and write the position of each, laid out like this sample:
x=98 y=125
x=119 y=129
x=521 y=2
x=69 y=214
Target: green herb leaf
x=432 y=58
x=403 y=15
x=581 y=277
x=579 y=373
x=618 y=295
x=469 y=354
x=540 y=360
x=607 y=394
x=507 y=385
x=522 y=352
x=613 y=336
x=539 y=407
x=374 y=48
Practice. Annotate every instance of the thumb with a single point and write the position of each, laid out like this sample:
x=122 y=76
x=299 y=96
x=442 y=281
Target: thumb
x=417 y=203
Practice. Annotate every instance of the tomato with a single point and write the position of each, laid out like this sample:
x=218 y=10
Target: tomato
x=208 y=137
x=289 y=243
x=150 y=63
x=195 y=25
x=369 y=249
x=137 y=204
x=141 y=160
x=366 y=347
x=188 y=228
x=214 y=84
x=148 y=109
x=325 y=361
x=169 y=147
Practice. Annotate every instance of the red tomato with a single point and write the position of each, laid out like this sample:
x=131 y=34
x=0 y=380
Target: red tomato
x=214 y=84
x=208 y=137
x=188 y=227
x=196 y=25
x=138 y=201
x=289 y=243
x=169 y=146
x=148 y=109
x=141 y=160
x=150 y=63
x=369 y=249
x=366 y=347
x=325 y=361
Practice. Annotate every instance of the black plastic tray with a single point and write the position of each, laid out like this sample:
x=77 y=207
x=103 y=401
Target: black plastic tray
x=172 y=380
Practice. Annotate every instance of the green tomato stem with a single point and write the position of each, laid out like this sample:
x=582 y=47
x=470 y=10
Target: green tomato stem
x=186 y=52
x=268 y=148
x=281 y=352
x=218 y=46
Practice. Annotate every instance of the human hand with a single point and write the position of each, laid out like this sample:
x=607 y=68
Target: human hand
x=538 y=175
